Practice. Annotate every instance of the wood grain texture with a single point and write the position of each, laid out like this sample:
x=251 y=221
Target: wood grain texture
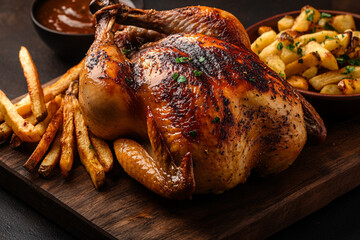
x=124 y=209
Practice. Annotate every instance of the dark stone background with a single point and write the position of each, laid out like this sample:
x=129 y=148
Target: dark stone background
x=339 y=220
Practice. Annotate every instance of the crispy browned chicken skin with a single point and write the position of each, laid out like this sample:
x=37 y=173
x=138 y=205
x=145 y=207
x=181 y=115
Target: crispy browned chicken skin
x=210 y=108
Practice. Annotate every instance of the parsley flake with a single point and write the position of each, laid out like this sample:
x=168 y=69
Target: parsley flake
x=325 y=15
x=340 y=60
x=192 y=133
x=291 y=47
x=329 y=27
x=301 y=60
x=310 y=17
x=175 y=76
x=280 y=46
x=197 y=73
x=349 y=69
x=299 y=51
x=126 y=51
x=91 y=147
x=216 y=120
x=182 y=59
x=181 y=79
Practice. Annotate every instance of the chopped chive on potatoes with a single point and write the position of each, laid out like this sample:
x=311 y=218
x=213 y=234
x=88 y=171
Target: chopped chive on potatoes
x=314 y=51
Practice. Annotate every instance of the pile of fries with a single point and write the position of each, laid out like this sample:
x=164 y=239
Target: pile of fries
x=315 y=49
x=52 y=117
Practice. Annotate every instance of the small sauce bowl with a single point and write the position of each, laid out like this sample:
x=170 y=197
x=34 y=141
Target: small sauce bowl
x=74 y=45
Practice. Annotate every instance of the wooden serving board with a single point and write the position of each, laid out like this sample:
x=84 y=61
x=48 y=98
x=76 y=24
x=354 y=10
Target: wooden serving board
x=124 y=209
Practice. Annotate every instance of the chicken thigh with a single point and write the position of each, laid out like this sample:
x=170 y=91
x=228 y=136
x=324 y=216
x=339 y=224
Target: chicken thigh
x=210 y=108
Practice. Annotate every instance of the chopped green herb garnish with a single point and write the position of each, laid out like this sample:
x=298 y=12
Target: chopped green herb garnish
x=291 y=47
x=329 y=27
x=182 y=59
x=325 y=15
x=216 y=120
x=340 y=60
x=355 y=62
x=301 y=60
x=217 y=108
x=310 y=17
x=181 y=79
x=91 y=147
x=125 y=51
x=251 y=80
x=175 y=76
x=349 y=69
x=311 y=39
x=192 y=133
x=297 y=43
x=281 y=75
x=314 y=30
x=299 y=51
x=201 y=59
x=280 y=46
x=307 y=11
x=197 y=73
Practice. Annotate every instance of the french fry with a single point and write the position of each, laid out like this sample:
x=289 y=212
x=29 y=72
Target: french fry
x=103 y=152
x=306 y=18
x=349 y=86
x=23 y=129
x=327 y=59
x=67 y=139
x=317 y=37
x=298 y=82
x=45 y=141
x=87 y=154
x=34 y=86
x=23 y=107
x=298 y=66
x=285 y=23
x=5 y=132
x=309 y=73
x=331 y=89
x=15 y=140
x=343 y=22
x=263 y=41
x=332 y=77
x=51 y=160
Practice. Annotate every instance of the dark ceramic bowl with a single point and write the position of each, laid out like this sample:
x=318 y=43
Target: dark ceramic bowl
x=64 y=44
x=329 y=106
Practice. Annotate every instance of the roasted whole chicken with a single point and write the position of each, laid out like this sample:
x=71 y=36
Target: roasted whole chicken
x=186 y=81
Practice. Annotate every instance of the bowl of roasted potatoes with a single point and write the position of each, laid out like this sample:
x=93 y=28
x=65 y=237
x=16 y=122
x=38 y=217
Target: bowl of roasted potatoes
x=317 y=52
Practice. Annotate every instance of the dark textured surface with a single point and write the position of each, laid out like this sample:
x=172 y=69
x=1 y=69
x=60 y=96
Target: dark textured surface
x=340 y=219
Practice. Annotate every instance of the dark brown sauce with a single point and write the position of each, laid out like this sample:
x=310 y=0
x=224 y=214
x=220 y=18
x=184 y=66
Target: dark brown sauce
x=68 y=16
